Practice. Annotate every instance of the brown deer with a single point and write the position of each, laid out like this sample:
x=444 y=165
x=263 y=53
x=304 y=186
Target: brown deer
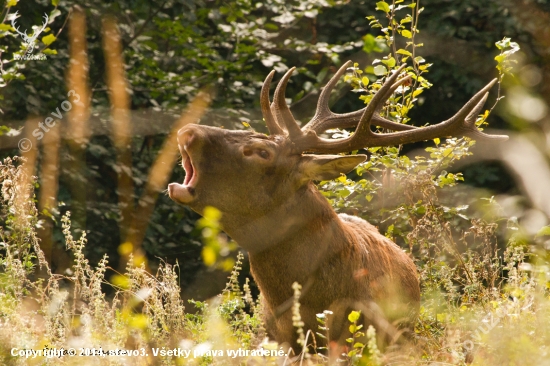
x=263 y=185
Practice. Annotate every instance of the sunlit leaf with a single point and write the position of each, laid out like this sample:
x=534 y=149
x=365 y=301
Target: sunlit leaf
x=404 y=52
x=48 y=40
x=406 y=33
x=380 y=70
x=354 y=316
x=382 y=5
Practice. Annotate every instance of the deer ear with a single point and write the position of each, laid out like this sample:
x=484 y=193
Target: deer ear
x=326 y=167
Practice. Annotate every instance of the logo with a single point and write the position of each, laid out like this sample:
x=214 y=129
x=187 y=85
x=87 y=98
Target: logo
x=29 y=41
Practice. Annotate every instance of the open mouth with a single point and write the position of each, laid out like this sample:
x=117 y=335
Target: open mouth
x=185 y=192
x=190 y=172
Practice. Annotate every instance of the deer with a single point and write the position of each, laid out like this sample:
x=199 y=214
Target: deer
x=264 y=187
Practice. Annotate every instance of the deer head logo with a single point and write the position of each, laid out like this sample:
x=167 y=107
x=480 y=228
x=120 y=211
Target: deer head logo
x=29 y=40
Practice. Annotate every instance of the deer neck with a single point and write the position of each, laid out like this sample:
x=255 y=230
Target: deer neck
x=294 y=239
x=285 y=226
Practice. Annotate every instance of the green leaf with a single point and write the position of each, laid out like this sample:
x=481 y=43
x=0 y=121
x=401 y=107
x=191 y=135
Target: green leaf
x=382 y=5
x=406 y=33
x=365 y=81
x=403 y=52
x=55 y=2
x=354 y=316
x=370 y=44
x=49 y=39
x=5 y=27
x=48 y=51
x=380 y=70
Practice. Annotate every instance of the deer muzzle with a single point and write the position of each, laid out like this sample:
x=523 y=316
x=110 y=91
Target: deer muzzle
x=185 y=193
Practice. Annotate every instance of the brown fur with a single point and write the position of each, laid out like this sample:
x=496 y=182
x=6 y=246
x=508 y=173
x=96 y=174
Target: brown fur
x=273 y=210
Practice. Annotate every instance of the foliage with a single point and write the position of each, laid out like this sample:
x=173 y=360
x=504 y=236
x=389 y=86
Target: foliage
x=216 y=244
x=355 y=330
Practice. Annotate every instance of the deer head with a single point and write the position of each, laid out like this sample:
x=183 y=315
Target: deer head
x=29 y=39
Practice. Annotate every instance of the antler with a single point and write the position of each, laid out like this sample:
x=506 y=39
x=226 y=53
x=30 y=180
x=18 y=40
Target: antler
x=307 y=139
x=24 y=35
x=272 y=125
x=46 y=18
x=35 y=35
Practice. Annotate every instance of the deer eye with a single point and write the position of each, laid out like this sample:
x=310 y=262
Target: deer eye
x=264 y=154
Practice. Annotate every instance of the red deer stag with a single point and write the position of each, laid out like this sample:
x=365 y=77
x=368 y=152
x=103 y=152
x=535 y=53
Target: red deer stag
x=263 y=185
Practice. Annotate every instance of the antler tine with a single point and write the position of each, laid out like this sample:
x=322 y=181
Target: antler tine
x=363 y=127
x=470 y=121
x=280 y=109
x=463 y=122
x=392 y=90
x=13 y=22
x=45 y=22
x=323 y=111
x=272 y=125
